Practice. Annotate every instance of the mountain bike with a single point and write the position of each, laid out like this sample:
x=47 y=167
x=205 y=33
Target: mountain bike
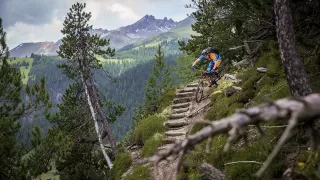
x=205 y=79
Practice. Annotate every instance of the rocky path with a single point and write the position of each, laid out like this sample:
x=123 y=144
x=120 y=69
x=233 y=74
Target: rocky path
x=178 y=126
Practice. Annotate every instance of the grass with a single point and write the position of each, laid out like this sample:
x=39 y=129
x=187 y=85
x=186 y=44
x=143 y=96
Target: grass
x=24 y=71
x=184 y=31
x=48 y=175
x=122 y=163
x=146 y=128
x=139 y=172
x=151 y=145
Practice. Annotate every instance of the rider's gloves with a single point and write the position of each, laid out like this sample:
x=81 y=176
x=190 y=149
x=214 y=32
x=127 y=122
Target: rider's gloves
x=192 y=67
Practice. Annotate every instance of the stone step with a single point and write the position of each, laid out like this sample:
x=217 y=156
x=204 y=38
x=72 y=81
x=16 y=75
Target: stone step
x=181 y=110
x=178 y=116
x=171 y=140
x=175 y=133
x=181 y=105
x=182 y=128
x=181 y=100
x=165 y=147
x=192 y=85
x=175 y=123
x=186 y=90
x=186 y=94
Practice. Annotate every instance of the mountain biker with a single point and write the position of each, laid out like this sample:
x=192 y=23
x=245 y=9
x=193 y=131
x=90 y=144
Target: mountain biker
x=213 y=56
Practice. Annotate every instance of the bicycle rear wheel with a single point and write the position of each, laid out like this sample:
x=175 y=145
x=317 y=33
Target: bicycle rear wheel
x=199 y=91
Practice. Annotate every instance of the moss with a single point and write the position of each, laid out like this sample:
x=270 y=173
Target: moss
x=139 y=172
x=272 y=92
x=121 y=164
x=223 y=106
x=151 y=145
x=258 y=150
x=147 y=128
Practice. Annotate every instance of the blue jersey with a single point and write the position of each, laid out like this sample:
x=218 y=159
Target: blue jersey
x=211 y=63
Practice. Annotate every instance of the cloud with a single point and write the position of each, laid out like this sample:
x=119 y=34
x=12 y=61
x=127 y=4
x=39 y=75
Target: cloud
x=35 y=12
x=22 y=32
x=41 y=20
x=123 y=11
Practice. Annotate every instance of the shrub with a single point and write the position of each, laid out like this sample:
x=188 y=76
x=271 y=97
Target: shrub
x=122 y=163
x=147 y=128
x=151 y=145
x=166 y=99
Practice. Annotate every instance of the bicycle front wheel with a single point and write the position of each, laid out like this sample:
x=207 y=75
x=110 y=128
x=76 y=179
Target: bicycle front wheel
x=199 y=91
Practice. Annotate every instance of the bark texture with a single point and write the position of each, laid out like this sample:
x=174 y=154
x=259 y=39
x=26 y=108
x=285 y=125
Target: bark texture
x=292 y=62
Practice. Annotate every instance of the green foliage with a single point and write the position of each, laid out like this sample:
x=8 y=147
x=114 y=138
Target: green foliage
x=76 y=31
x=151 y=145
x=166 y=99
x=121 y=164
x=158 y=83
x=12 y=109
x=183 y=73
x=139 y=172
x=25 y=65
x=146 y=128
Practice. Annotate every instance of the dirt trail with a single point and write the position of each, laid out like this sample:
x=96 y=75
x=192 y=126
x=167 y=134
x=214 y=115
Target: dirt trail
x=185 y=112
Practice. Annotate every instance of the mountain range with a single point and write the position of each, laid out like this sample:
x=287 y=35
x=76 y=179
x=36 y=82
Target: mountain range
x=145 y=28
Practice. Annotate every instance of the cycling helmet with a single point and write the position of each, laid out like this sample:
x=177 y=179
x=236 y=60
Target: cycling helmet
x=204 y=52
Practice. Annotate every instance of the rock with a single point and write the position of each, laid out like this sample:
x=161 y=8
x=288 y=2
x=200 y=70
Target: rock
x=230 y=92
x=237 y=88
x=211 y=173
x=262 y=69
x=229 y=76
x=242 y=63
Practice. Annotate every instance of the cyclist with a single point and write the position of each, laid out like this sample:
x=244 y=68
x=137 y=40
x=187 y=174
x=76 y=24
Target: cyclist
x=215 y=59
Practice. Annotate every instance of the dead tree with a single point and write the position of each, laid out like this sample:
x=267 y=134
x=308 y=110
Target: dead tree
x=295 y=110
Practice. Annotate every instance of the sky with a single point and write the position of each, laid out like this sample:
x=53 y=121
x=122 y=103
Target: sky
x=42 y=20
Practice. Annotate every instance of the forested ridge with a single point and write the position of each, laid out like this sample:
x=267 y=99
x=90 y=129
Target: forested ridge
x=105 y=112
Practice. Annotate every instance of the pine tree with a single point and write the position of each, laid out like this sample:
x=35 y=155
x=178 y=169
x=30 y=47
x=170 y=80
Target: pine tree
x=158 y=82
x=12 y=109
x=81 y=48
x=10 y=89
x=73 y=158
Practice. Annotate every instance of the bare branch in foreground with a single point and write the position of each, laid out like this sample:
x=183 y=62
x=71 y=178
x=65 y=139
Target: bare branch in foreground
x=302 y=109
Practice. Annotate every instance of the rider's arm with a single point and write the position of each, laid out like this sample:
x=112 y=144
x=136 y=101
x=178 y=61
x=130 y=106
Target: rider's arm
x=217 y=64
x=195 y=62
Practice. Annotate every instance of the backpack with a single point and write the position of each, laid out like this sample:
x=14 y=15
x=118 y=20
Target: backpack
x=213 y=50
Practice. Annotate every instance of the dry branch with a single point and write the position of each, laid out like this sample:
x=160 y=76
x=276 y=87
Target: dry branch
x=306 y=109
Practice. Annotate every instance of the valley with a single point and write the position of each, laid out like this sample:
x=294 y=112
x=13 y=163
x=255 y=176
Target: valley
x=115 y=81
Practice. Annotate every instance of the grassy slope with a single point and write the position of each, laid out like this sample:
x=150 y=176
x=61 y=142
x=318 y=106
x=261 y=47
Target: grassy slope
x=23 y=70
x=114 y=60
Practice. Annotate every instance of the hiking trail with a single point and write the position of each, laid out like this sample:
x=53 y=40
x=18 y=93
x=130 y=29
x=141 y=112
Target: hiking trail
x=185 y=111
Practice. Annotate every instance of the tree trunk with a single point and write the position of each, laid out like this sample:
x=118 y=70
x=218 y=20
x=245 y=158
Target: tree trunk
x=293 y=66
x=96 y=124
x=105 y=122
